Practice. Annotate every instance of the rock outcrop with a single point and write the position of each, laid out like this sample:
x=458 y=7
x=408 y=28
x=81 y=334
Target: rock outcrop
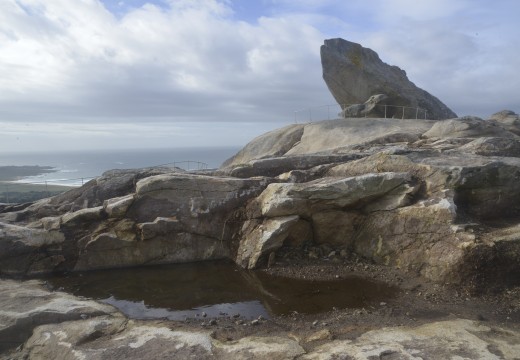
x=39 y=324
x=354 y=73
x=375 y=107
x=404 y=193
x=508 y=119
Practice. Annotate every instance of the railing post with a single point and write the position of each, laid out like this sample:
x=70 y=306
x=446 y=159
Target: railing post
x=416 y=113
x=385 y=111
x=403 y=113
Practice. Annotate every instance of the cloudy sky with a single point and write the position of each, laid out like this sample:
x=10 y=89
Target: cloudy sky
x=80 y=74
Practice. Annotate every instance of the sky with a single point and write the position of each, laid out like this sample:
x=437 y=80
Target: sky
x=102 y=74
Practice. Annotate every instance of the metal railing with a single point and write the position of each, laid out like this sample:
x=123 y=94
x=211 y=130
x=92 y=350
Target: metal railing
x=198 y=165
x=333 y=111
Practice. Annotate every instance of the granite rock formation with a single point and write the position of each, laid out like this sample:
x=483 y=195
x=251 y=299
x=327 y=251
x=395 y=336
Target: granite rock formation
x=405 y=193
x=374 y=107
x=39 y=324
x=353 y=74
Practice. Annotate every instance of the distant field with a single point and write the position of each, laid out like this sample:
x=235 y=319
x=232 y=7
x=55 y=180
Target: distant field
x=20 y=193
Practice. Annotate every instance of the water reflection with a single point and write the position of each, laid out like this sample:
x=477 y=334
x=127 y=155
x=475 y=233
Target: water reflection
x=218 y=289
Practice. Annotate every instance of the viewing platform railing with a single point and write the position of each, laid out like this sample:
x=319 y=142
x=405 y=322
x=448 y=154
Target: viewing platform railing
x=333 y=111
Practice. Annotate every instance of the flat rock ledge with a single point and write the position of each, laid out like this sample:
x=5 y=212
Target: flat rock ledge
x=38 y=324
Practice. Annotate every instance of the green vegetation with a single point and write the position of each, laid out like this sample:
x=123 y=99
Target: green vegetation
x=20 y=193
x=11 y=192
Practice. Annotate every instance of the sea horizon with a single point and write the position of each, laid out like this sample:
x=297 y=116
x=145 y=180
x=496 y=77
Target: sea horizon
x=73 y=168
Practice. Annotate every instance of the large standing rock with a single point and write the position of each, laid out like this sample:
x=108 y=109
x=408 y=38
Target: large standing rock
x=354 y=73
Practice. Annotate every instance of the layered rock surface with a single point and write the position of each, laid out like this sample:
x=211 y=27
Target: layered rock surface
x=353 y=74
x=54 y=325
x=418 y=195
x=437 y=199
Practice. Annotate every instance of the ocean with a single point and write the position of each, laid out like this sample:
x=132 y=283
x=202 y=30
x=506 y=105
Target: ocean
x=76 y=167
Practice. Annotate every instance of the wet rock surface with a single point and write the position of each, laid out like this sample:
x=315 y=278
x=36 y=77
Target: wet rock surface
x=62 y=326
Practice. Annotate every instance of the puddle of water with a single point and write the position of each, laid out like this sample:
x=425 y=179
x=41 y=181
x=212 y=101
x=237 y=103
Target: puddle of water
x=218 y=289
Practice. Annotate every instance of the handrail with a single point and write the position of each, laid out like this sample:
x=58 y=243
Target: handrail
x=416 y=112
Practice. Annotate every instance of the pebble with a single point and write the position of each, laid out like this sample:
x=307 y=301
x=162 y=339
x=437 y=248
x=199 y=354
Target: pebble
x=261 y=318
x=255 y=322
x=382 y=304
x=315 y=322
x=237 y=315
x=213 y=322
x=204 y=314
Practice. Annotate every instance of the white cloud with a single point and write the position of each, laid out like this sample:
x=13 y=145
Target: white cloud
x=181 y=61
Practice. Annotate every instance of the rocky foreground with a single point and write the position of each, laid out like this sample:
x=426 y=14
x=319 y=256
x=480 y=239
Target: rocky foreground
x=436 y=201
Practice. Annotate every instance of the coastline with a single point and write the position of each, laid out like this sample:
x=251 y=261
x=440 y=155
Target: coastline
x=14 y=192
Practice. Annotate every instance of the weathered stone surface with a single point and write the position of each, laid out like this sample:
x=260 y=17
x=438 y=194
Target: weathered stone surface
x=170 y=218
x=83 y=216
x=492 y=146
x=440 y=340
x=263 y=239
x=374 y=107
x=416 y=238
x=508 y=119
x=24 y=249
x=54 y=325
x=335 y=227
x=333 y=194
x=335 y=135
x=278 y=165
x=26 y=305
x=322 y=143
x=117 y=207
x=271 y=144
x=467 y=127
x=354 y=73
x=102 y=338
x=320 y=335
x=346 y=175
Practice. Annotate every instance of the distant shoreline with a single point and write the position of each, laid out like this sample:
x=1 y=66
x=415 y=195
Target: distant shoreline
x=13 y=173
x=12 y=191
